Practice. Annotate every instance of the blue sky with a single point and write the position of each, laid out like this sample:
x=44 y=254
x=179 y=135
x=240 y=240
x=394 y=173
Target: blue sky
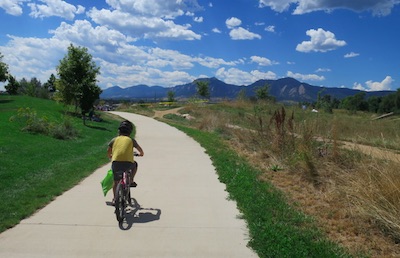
x=332 y=43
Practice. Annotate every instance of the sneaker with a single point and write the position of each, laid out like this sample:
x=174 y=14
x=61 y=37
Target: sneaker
x=133 y=184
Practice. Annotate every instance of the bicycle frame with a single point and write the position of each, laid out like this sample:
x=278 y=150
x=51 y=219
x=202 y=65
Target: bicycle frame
x=122 y=195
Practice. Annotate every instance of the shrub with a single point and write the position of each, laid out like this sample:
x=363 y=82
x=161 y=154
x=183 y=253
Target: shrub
x=31 y=122
x=64 y=131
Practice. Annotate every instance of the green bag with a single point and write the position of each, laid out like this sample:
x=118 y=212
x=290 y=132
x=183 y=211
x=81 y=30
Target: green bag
x=107 y=182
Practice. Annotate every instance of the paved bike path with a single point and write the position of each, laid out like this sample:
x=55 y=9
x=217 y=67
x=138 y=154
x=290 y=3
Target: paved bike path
x=184 y=211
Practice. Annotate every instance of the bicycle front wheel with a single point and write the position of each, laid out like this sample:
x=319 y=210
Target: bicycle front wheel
x=119 y=203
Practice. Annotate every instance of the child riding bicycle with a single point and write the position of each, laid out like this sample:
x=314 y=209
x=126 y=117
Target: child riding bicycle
x=120 y=151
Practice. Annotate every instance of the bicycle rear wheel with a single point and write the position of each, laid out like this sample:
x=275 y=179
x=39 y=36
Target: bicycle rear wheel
x=119 y=203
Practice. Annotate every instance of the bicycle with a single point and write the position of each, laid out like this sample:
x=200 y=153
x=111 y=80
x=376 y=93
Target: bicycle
x=123 y=194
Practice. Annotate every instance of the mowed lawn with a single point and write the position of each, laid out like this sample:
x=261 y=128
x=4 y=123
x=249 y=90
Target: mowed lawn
x=34 y=168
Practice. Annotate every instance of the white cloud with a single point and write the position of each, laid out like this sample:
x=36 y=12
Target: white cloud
x=377 y=7
x=305 y=77
x=13 y=7
x=198 y=19
x=243 y=34
x=121 y=63
x=270 y=28
x=233 y=22
x=130 y=75
x=216 y=30
x=55 y=8
x=212 y=62
x=262 y=61
x=239 y=77
x=320 y=70
x=277 y=5
x=33 y=57
x=375 y=86
x=166 y=9
x=351 y=54
x=142 y=27
x=357 y=86
x=239 y=33
x=321 y=41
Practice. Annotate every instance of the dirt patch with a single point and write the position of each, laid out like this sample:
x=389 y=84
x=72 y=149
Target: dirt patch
x=161 y=113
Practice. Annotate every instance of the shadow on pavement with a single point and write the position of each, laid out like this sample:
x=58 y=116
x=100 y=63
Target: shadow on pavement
x=136 y=214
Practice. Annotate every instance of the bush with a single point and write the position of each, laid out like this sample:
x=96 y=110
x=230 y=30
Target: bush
x=34 y=124
x=64 y=131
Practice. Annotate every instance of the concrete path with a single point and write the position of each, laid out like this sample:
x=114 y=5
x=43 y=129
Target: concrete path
x=183 y=209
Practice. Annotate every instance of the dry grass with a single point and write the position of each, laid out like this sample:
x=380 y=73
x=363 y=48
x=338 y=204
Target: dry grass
x=353 y=196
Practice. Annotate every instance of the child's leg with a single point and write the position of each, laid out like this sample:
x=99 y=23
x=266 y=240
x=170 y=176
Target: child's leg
x=134 y=170
x=114 y=189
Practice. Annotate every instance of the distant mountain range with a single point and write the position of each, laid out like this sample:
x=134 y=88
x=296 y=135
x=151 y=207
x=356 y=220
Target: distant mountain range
x=284 y=90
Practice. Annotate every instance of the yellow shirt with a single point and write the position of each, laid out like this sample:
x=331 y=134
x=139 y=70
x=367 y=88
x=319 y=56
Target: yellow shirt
x=122 y=148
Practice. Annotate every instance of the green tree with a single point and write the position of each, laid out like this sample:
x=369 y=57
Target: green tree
x=262 y=93
x=50 y=85
x=387 y=104
x=171 y=96
x=12 y=86
x=327 y=103
x=77 y=72
x=23 y=86
x=355 y=103
x=397 y=100
x=33 y=87
x=3 y=70
x=373 y=103
x=203 y=89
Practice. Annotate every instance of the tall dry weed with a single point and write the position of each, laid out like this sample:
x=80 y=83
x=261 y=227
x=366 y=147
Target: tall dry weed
x=212 y=121
x=374 y=191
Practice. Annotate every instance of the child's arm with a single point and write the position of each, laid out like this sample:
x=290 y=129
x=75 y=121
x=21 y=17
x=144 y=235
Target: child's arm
x=109 y=152
x=137 y=146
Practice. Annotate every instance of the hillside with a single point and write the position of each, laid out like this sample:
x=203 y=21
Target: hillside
x=285 y=89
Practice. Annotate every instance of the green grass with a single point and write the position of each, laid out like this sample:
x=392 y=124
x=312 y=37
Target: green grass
x=276 y=229
x=34 y=167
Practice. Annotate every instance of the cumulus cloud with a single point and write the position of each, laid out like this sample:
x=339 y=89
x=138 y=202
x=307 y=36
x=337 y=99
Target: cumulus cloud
x=243 y=34
x=149 y=19
x=321 y=41
x=305 y=77
x=377 y=7
x=240 y=77
x=233 y=22
x=216 y=30
x=33 y=57
x=121 y=62
x=262 y=61
x=55 y=8
x=276 y=5
x=13 y=7
x=370 y=85
x=198 y=19
x=166 y=9
x=239 y=33
x=142 y=27
x=212 y=62
x=351 y=54
x=321 y=70
x=270 y=28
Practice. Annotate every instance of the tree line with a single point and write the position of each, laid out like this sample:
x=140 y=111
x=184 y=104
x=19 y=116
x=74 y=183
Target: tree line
x=359 y=102
x=75 y=83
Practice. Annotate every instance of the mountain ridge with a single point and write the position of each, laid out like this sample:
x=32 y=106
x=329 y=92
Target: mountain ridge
x=284 y=90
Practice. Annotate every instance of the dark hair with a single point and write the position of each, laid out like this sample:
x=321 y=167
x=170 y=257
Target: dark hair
x=125 y=127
